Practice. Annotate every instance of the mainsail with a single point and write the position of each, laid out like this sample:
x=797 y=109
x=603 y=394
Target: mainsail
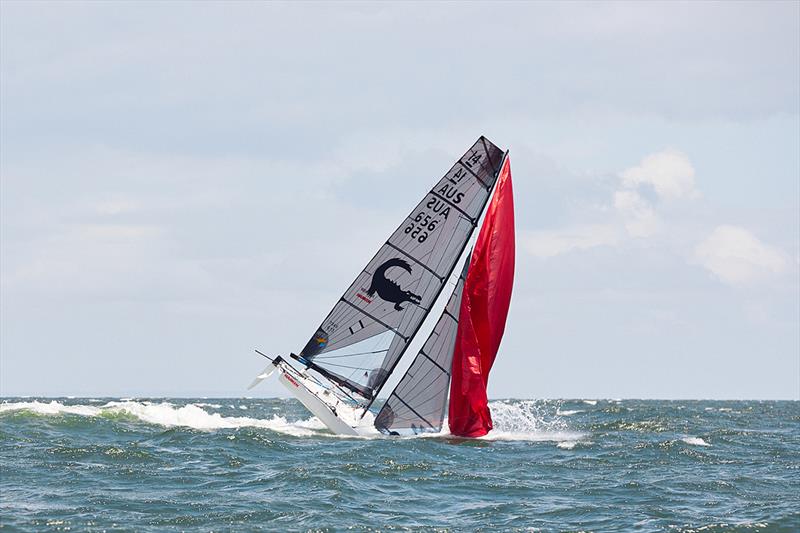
x=363 y=337
x=419 y=400
x=482 y=317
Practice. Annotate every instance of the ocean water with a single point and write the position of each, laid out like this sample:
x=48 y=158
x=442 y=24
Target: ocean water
x=159 y=464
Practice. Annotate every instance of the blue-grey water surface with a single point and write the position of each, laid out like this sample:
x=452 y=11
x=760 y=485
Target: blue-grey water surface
x=163 y=464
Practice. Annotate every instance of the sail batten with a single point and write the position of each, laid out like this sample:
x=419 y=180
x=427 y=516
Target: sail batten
x=432 y=360
x=422 y=418
x=454 y=206
x=378 y=320
x=396 y=290
x=417 y=261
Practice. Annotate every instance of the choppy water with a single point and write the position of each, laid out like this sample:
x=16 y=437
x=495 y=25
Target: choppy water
x=242 y=464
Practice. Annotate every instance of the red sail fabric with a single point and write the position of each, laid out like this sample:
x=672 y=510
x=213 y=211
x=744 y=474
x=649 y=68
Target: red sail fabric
x=482 y=318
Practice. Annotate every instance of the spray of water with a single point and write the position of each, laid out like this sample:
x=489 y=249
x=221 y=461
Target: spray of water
x=530 y=420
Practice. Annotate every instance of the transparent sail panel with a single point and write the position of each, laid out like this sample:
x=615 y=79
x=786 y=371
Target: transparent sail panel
x=394 y=293
x=418 y=403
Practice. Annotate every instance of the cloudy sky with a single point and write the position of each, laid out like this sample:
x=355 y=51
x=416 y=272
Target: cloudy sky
x=184 y=182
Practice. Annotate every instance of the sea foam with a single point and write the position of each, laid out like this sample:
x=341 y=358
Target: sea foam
x=695 y=441
x=169 y=415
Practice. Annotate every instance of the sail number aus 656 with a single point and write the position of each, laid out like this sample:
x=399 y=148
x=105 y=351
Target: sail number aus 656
x=420 y=226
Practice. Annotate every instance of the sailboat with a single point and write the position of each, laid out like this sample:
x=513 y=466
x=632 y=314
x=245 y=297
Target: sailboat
x=350 y=357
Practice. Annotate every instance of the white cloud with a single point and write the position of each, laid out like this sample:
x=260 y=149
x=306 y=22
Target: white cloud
x=669 y=172
x=551 y=243
x=671 y=175
x=737 y=257
x=639 y=217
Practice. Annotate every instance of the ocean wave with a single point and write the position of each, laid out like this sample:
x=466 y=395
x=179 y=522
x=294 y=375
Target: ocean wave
x=536 y=436
x=168 y=415
x=52 y=408
x=106 y=467
x=526 y=420
x=695 y=441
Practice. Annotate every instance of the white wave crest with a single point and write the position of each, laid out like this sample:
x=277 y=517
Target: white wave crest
x=168 y=415
x=52 y=408
x=695 y=441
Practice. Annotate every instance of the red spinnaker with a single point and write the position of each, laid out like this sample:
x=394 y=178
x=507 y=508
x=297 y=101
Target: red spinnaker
x=482 y=319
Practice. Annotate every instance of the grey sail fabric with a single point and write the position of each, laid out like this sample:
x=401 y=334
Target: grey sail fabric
x=418 y=403
x=362 y=339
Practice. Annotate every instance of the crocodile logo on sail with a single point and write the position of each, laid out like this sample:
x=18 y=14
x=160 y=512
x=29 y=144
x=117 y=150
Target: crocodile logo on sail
x=389 y=290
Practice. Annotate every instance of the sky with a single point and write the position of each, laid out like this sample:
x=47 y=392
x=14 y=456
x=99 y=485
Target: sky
x=181 y=183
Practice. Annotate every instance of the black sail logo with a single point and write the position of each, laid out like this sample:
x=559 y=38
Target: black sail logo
x=389 y=290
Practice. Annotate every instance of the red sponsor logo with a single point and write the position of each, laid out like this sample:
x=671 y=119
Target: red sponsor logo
x=291 y=380
x=359 y=295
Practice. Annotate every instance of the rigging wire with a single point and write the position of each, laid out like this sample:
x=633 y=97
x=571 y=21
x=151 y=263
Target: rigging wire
x=320 y=357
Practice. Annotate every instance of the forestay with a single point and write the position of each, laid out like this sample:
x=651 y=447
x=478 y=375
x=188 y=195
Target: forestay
x=363 y=337
x=419 y=401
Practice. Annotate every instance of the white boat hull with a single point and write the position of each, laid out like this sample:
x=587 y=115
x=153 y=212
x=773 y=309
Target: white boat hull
x=337 y=416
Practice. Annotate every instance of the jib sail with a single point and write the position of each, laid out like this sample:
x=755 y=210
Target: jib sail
x=365 y=334
x=419 y=401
